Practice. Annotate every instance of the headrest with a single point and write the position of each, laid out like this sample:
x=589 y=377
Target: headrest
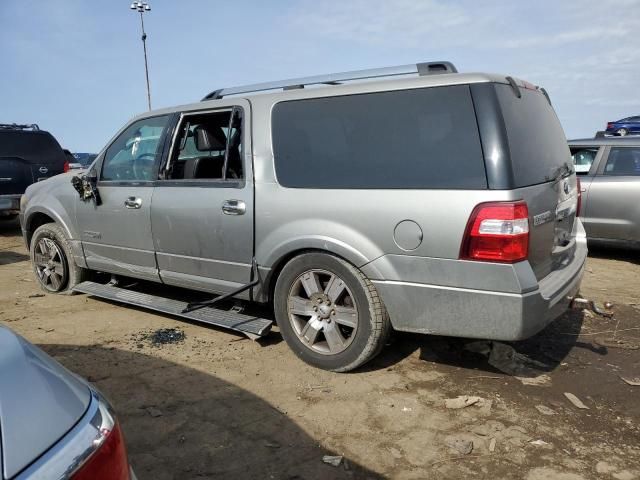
x=209 y=140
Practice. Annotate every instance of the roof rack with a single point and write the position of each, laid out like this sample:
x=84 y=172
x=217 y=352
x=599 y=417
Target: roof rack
x=15 y=126
x=425 y=68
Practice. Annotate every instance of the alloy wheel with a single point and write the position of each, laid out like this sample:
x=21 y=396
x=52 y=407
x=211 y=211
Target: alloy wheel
x=322 y=312
x=50 y=265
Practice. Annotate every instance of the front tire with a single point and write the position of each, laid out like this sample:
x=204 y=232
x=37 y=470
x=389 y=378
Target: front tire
x=329 y=313
x=52 y=260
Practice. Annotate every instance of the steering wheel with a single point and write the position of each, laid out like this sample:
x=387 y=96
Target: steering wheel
x=143 y=165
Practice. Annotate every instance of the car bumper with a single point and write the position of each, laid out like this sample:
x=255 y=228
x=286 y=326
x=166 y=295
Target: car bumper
x=478 y=313
x=9 y=204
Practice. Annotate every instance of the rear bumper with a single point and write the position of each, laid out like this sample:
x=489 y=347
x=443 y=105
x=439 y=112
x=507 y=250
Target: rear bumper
x=478 y=313
x=9 y=204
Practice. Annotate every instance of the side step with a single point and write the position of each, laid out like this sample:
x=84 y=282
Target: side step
x=253 y=327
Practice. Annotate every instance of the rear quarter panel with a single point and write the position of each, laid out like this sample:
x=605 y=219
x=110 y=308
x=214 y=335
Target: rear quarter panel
x=357 y=225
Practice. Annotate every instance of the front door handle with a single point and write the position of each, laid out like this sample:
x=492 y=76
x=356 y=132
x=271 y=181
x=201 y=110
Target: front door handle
x=234 y=207
x=133 y=202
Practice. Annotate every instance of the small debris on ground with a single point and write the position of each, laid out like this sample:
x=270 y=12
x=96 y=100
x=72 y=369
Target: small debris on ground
x=460 y=445
x=634 y=382
x=461 y=401
x=154 y=412
x=539 y=381
x=333 y=460
x=272 y=444
x=576 y=401
x=590 y=304
x=539 y=443
x=507 y=360
x=543 y=409
x=617 y=343
x=162 y=336
x=37 y=295
x=492 y=444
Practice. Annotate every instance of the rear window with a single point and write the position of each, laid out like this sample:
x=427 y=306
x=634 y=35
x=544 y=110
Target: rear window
x=537 y=142
x=35 y=147
x=422 y=138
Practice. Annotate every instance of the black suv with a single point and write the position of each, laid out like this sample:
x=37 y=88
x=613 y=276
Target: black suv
x=27 y=155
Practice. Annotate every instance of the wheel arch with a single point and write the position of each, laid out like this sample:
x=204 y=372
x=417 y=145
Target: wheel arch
x=36 y=219
x=271 y=270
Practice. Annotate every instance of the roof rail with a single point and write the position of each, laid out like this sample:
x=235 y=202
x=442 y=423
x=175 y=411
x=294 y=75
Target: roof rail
x=425 y=68
x=15 y=126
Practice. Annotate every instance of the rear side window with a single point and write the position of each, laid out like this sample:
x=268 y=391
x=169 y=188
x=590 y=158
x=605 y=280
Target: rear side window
x=422 y=138
x=623 y=161
x=537 y=143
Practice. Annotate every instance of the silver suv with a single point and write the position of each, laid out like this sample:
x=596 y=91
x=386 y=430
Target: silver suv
x=420 y=200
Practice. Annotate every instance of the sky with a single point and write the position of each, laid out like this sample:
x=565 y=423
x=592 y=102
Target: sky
x=76 y=68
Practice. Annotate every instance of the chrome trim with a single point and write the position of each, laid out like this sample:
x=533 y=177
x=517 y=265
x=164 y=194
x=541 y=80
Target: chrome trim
x=62 y=460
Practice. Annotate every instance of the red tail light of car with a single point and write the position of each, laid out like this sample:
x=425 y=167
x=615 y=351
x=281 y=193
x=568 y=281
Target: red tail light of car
x=609 y=126
x=109 y=461
x=497 y=232
x=66 y=166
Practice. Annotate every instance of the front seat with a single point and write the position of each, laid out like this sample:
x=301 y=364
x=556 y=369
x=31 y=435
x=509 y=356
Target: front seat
x=209 y=166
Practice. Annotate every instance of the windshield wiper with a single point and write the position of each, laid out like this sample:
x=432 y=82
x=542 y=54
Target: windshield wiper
x=561 y=173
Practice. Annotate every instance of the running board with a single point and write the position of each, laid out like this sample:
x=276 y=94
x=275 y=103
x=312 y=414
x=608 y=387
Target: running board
x=252 y=327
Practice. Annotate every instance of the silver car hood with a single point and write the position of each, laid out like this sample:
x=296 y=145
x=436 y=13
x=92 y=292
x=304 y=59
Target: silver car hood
x=39 y=402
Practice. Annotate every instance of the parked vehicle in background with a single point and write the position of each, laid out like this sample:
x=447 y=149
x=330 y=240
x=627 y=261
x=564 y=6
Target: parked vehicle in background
x=609 y=172
x=71 y=160
x=625 y=126
x=53 y=424
x=425 y=204
x=27 y=155
x=83 y=160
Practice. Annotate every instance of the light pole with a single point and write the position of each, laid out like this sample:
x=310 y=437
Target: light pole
x=143 y=7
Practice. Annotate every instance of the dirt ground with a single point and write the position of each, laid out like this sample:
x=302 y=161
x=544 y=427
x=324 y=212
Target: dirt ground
x=218 y=405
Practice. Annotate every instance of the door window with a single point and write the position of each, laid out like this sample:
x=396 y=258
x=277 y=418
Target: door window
x=135 y=153
x=623 y=161
x=583 y=158
x=208 y=147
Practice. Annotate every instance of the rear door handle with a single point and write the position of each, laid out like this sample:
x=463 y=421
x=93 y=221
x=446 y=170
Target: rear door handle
x=234 y=207
x=133 y=202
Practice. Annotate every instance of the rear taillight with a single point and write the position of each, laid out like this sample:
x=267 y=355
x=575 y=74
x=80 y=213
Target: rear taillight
x=579 y=207
x=497 y=232
x=609 y=126
x=66 y=166
x=109 y=461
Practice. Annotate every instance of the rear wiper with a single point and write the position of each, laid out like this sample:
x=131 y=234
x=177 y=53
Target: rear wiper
x=561 y=173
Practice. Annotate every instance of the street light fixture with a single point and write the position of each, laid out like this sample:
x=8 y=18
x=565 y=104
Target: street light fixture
x=143 y=7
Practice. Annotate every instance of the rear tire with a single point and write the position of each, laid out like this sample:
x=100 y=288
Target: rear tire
x=52 y=260
x=329 y=313
x=623 y=132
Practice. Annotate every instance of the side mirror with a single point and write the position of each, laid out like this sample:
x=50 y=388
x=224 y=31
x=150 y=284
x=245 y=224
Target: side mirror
x=86 y=186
